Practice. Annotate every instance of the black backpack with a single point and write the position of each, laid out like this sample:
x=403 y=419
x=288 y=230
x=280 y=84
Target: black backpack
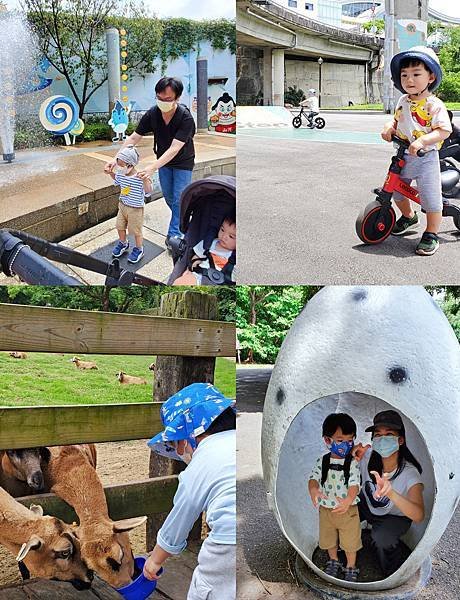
x=326 y=465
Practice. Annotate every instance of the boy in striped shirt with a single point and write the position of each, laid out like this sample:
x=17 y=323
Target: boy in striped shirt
x=133 y=191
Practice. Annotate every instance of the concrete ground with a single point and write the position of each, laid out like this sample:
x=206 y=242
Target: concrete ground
x=50 y=175
x=299 y=194
x=265 y=560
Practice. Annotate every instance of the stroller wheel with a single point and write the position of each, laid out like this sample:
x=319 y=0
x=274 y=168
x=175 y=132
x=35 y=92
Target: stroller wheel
x=375 y=223
x=457 y=220
x=297 y=122
x=320 y=122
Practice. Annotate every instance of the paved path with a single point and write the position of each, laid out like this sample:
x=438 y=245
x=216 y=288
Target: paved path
x=265 y=559
x=299 y=193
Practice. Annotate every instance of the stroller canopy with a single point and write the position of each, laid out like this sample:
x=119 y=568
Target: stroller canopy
x=204 y=205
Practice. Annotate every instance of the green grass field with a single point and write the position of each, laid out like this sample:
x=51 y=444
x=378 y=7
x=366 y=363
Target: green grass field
x=44 y=379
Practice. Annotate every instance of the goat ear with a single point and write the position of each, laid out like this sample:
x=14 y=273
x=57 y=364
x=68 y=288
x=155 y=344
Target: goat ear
x=34 y=543
x=128 y=524
x=45 y=454
x=36 y=509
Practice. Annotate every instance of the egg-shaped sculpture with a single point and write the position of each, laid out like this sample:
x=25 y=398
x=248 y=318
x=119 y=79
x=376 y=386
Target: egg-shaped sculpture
x=362 y=350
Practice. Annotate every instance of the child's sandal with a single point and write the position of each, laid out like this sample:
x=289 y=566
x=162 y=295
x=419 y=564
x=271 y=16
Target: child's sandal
x=333 y=567
x=350 y=574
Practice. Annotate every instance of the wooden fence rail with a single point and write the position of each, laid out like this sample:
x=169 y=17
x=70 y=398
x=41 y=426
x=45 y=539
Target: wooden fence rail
x=27 y=427
x=127 y=500
x=43 y=329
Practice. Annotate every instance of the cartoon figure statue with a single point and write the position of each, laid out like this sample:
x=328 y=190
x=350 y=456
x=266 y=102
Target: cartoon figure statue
x=223 y=115
x=120 y=120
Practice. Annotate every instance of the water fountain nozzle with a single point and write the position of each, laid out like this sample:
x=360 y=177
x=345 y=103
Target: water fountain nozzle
x=9 y=157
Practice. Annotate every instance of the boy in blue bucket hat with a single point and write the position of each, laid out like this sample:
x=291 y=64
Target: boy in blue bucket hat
x=200 y=429
x=422 y=120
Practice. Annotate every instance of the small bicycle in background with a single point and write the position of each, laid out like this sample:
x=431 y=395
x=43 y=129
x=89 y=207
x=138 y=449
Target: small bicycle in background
x=308 y=116
x=376 y=221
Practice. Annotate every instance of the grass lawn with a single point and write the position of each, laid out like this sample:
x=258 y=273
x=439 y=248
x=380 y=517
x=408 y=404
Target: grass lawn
x=44 y=379
x=450 y=105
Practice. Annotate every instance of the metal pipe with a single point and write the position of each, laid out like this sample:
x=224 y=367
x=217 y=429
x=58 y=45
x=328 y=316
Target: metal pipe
x=293 y=33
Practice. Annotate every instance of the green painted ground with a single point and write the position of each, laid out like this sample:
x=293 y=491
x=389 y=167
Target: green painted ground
x=313 y=135
x=51 y=379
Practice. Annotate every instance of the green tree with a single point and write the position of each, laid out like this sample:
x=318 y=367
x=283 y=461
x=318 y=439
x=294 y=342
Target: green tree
x=71 y=34
x=449 y=57
x=294 y=95
x=263 y=318
x=374 y=26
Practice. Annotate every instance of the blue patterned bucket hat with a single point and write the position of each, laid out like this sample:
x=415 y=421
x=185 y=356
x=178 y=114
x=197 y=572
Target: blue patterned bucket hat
x=188 y=414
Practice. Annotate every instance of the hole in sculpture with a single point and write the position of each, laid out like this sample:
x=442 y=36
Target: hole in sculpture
x=303 y=444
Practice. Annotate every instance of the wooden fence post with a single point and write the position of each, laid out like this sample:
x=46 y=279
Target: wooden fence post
x=172 y=373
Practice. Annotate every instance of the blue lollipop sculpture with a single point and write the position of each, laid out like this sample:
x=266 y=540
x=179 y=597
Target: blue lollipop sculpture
x=59 y=115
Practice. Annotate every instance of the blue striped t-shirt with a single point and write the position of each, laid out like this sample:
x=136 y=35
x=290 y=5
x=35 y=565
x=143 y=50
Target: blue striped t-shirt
x=131 y=190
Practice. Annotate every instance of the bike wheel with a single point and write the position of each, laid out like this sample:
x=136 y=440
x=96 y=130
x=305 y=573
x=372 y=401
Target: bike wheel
x=320 y=122
x=297 y=122
x=375 y=223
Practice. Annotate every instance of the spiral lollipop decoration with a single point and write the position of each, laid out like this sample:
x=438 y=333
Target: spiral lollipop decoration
x=59 y=115
x=79 y=128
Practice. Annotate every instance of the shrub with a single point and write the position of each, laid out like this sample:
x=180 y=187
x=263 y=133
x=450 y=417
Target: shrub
x=293 y=95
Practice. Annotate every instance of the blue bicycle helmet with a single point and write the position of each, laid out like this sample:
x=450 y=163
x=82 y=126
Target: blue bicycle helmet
x=426 y=55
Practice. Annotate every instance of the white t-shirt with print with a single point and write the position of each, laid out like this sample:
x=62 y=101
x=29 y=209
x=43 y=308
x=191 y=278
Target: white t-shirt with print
x=414 y=118
x=408 y=477
x=335 y=482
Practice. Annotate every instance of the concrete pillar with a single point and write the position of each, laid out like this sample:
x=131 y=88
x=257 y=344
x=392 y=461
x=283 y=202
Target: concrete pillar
x=395 y=12
x=267 y=77
x=202 y=93
x=112 y=38
x=278 y=76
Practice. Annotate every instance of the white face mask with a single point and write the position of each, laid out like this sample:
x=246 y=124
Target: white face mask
x=186 y=456
x=165 y=106
x=122 y=170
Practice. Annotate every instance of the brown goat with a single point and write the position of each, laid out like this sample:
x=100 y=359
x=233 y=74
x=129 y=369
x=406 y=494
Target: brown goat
x=18 y=354
x=83 y=364
x=130 y=379
x=105 y=544
x=45 y=545
x=21 y=470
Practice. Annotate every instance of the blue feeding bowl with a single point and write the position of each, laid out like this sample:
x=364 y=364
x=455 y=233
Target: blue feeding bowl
x=141 y=587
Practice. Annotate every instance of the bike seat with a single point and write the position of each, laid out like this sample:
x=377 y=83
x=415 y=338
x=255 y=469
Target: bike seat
x=449 y=179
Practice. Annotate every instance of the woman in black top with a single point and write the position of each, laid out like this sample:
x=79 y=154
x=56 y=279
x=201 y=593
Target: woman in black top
x=173 y=128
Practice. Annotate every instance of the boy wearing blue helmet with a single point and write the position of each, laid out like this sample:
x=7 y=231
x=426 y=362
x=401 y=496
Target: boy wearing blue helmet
x=200 y=429
x=421 y=119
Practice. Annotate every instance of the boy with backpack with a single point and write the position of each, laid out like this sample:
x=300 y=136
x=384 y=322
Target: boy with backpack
x=334 y=485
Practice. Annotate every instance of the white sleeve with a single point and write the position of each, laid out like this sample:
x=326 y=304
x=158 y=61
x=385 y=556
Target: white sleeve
x=199 y=249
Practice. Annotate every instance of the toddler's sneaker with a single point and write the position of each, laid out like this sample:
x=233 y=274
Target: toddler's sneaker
x=120 y=249
x=136 y=255
x=428 y=244
x=403 y=224
x=333 y=568
x=350 y=574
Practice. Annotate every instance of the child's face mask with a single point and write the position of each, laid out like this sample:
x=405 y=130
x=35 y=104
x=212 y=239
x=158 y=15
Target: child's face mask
x=123 y=170
x=341 y=448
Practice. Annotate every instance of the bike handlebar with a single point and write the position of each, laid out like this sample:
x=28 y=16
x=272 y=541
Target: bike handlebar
x=406 y=144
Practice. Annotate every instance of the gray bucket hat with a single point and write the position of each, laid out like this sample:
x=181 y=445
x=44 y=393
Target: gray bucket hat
x=129 y=155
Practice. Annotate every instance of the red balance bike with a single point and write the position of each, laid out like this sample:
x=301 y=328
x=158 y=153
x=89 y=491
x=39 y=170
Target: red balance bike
x=376 y=221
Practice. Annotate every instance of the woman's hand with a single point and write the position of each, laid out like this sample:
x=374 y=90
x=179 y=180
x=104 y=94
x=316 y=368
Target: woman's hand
x=151 y=569
x=359 y=451
x=384 y=487
x=343 y=505
x=146 y=173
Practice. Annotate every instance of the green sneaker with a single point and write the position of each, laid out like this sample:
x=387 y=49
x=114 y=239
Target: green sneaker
x=428 y=244
x=403 y=224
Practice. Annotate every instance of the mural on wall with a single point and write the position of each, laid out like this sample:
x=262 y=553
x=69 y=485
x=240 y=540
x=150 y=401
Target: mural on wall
x=222 y=117
x=37 y=80
x=410 y=32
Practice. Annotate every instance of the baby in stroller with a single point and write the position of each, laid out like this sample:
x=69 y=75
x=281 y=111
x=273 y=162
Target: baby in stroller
x=207 y=254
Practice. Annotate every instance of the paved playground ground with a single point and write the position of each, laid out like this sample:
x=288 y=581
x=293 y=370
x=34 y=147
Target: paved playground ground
x=265 y=560
x=299 y=193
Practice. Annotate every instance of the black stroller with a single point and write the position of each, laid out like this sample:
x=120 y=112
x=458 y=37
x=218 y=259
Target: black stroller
x=204 y=206
x=450 y=172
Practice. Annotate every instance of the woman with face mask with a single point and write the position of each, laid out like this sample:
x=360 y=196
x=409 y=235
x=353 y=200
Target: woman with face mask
x=391 y=496
x=200 y=429
x=173 y=128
